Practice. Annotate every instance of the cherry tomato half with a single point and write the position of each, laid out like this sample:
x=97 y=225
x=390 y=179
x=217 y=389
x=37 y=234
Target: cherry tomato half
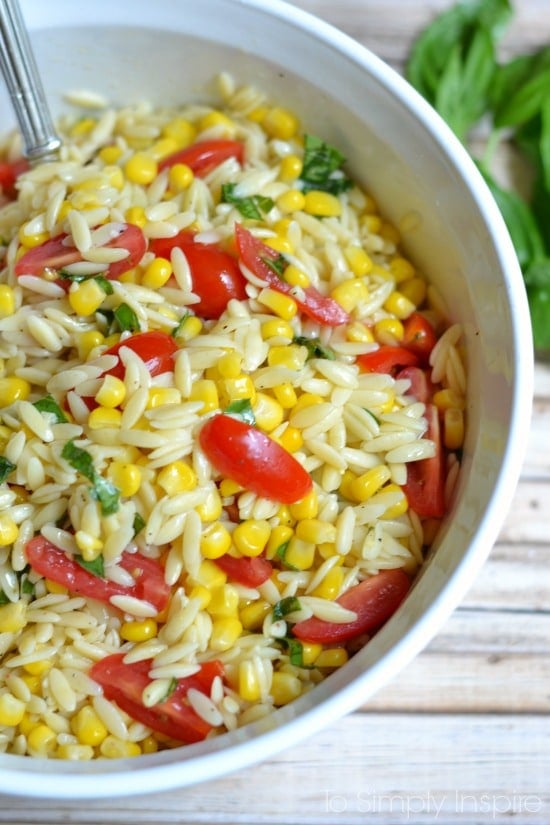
x=53 y=563
x=386 y=359
x=425 y=486
x=156 y=349
x=421 y=386
x=248 y=571
x=215 y=273
x=252 y=459
x=202 y=157
x=419 y=336
x=174 y=717
x=9 y=172
x=254 y=254
x=374 y=600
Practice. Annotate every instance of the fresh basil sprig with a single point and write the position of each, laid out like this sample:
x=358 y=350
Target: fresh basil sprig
x=252 y=206
x=103 y=490
x=322 y=167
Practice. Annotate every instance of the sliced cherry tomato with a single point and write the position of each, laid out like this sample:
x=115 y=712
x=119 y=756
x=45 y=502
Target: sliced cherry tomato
x=9 y=172
x=53 y=563
x=251 y=572
x=202 y=157
x=251 y=458
x=215 y=273
x=156 y=349
x=386 y=359
x=419 y=336
x=174 y=717
x=55 y=254
x=255 y=256
x=426 y=478
x=374 y=600
x=421 y=386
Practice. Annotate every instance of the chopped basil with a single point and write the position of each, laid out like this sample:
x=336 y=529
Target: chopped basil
x=6 y=467
x=107 y=494
x=252 y=206
x=322 y=167
x=100 y=280
x=27 y=587
x=138 y=524
x=285 y=606
x=242 y=409
x=315 y=349
x=3 y=598
x=105 y=284
x=295 y=650
x=278 y=264
x=280 y=553
x=97 y=566
x=104 y=491
x=181 y=323
x=372 y=415
x=170 y=689
x=50 y=405
x=126 y=318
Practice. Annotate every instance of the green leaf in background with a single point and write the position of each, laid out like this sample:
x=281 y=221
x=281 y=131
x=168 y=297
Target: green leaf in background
x=539 y=306
x=526 y=102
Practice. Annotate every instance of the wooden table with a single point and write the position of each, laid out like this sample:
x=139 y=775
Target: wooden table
x=462 y=735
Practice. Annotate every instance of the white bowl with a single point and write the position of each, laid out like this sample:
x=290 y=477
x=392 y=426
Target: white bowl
x=410 y=161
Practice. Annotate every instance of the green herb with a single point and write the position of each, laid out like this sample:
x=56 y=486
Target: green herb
x=295 y=650
x=280 y=553
x=6 y=467
x=96 y=567
x=50 y=405
x=315 y=349
x=105 y=284
x=27 y=587
x=242 y=409
x=104 y=491
x=3 y=598
x=101 y=280
x=126 y=318
x=322 y=167
x=285 y=606
x=172 y=685
x=138 y=524
x=252 y=206
x=180 y=325
x=278 y=264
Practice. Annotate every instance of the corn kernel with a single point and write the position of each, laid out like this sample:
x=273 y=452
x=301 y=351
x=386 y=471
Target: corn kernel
x=138 y=631
x=359 y=333
x=205 y=390
x=350 y=293
x=258 y=114
x=402 y=269
x=310 y=651
x=181 y=131
x=85 y=298
x=12 y=617
x=88 y=341
x=307 y=399
x=267 y=411
x=368 y=483
x=189 y=328
x=126 y=477
x=8 y=530
x=252 y=615
x=74 y=752
x=157 y=273
x=224 y=601
x=238 y=389
x=300 y=554
x=211 y=507
x=399 y=305
x=113 y=748
x=209 y=575
x=132 y=276
x=307 y=507
x=104 y=417
x=230 y=365
x=358 y=260
x=112 y=392
x=82 y=127
x=89 y=546
x=285 y=687
x=372 y=224
x=401 y=506
x=30 y=240
x=291 y=439
x=13 y=389
x=277 y=328
x=34 y=684
x=38 y=668
x=110 y=154
x=251 y=536
x=291 y=168
x=177 y=477
x=332 y=657
x=415 y=290
x=280 y=534
x=163 y=148
x=279 y=244
x=282 y=305
x=293 y=200
x=141 y=168
x=216 y=119
x=149 y=745
x=7 y=301
x=314 y=531
x=390 y=232
x=285 y=395
x=202 y=594
x=296 y=277
x=280 y=123
x=225 y=633
x=284 y=516
x=322 y=204
x=215 y=541
x=41 y=739
x=160 y=396
x=292 y=357
x=389 y=331
x=27 y=723
x=136 y=216
x=447 y=399
x=54 y=587
x=249 y=683
x=331 y=585
x=229 y=488
x=453 y=428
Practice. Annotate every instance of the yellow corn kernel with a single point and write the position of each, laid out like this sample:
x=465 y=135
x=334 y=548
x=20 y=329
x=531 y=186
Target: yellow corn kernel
x=8 y=530
x=296 y=277
x=13 y=389
x=114 y=176
x=85 y=298
x=332 y=657
x=38 y=668
x=252 y=615
x=89 y=546
x=54 y=587
x=282 y=226
x=225 y=633
x=141 y=168
x=399 y=305
x=415 y=290
x=402 y=270
x=7 y=301
x=285 y=395
x=249 y=684
x=12 y=710
x=400 y=507
x=346 y=483
x=217 y=119
x=277 y=328
x=34 y=684
x=139 y=631
x=282 y=305
x=215 y=541
x=12 y=617
x=280 y=123
x=26 y=724
x=322 y=204
x=390 y=232
x=82 y=127
x=258 y=114
x=307 y=399
x=350 y=293
x=284 y=516
x=209 y=575
x=315 y=531
x=229 y=488
x=372 y=223
x=267 y=411
x=224 y=601
x=447 y=399
x=41 y=739
x=291 y=168
x=230 y=365
x=331 y=585
x=206 y=391
x=310 y=651
x=30 y=240
x=251 y=536
x=160 y=396
x=157 y=273
x=279 y=244
x=359 y=333
x=181 y=131
x=88 y=341
x=368 y=483
x=291 y=439
x=292 y=357
x=163 y=148
x=112 y=392
x=239 y=388
x=136 y=216
x=177 y=477
x=126 y=477
x=202 y=594
x=189 y=328
x=285 y=687
x=300 y=554
x=280 y=534
x=358 y=260
x=211 y=508
x=453 y=428
x=113 y=748
x=75 y=753
x=307 y=507
x=104 y=417
x=389 y=331
x=293 y=200
x=110 y=154
x=149 y=745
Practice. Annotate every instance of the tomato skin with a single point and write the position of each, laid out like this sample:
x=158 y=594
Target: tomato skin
x=53 y=563
x=250 y=572
x=374 y=600
x=253 y=254
x=386 y=359
x=421 y=386
x=53 y=254
x=205 y=155
x=9 y=172
x=425 y=486
x=174 y=717
x=156 y=349
x=252 y=459
x=215 y=273
x=419 y=336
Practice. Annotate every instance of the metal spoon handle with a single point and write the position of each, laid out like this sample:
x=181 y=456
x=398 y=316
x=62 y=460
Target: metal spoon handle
x=24 y=85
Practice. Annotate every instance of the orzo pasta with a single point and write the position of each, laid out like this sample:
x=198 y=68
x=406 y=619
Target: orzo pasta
x=231 y=414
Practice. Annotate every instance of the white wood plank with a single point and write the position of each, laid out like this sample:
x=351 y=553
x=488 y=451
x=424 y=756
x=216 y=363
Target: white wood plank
x=515 y=577
x=528 y=520
x=494 y=632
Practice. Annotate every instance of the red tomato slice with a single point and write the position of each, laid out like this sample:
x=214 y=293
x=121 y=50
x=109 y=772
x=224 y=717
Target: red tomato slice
x=174 y=717
x=420 y=336
x=53 y=563
x=426 y=479
x=156 y=349
x=202 y=157
x=54 y=254
x=374 y=600
x=386 y=359
x=252 y=459
x=421 y=386
x=253 y=254
x=251 y=572
x=215 y=273
x=9 y=172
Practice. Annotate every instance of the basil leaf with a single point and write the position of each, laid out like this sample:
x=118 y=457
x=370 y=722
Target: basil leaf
x=321 y=167
x=102 y=490
x=242 y=409
x=170 y=689
x=27 y=587
x=105 y=284
x=315 y=349
x=3 y=598
x=126 y=318
x=50 y=405
x=138 y=524
x=539 y=306
x=107 y=494
x=252 y=206
x=538 y=274
x=285 y=606
x=6 y=467
x=181 y=323
x=278 y=264
x=526 y=102
x=280 y=553
x=96 y=567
